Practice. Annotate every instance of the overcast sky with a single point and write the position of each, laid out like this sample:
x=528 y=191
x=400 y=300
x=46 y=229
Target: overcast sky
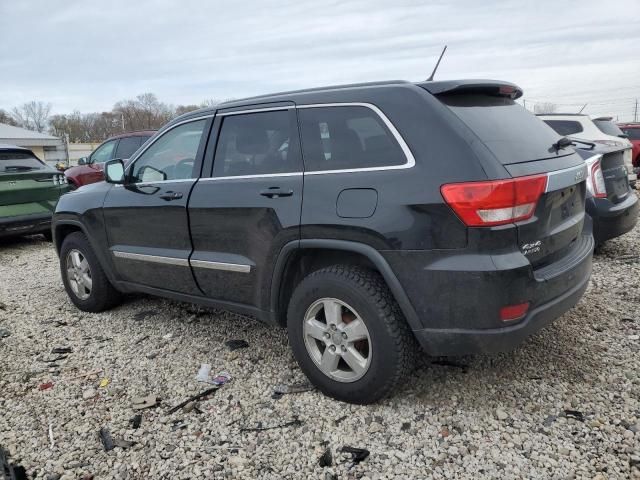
x=86 y=55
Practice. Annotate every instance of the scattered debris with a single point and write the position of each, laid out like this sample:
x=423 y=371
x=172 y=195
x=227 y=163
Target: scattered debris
x=236 y=344
x=178 y=425
x=4 y=333
x=120 y=442
x=86 y=375
x=407 y=425
x=152 y=355
x=296 y=422
x=204 y=376
x=107 y=441
x=140 y=403
x=56 y=359
x=338 y=421
x=549 y=420
x=9 y=471
x=61 y=323
x=357 y=454
x=45 y=386
x=104 y=382
x=627 y=319
x=141 y=339
x=59 y=350
x=578 y=415
x=168 y=336
x=136 y=421
x=51 y=442
x=195 y=398
x=280 y=390
x=144 y=314
x=326 y=459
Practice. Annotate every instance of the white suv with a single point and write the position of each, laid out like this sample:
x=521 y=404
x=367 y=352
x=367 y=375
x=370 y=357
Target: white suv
x=598 y=130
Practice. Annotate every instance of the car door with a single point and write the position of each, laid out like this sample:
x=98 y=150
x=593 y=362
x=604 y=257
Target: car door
x=146 y=218
x=249 y=207
x=94 y=169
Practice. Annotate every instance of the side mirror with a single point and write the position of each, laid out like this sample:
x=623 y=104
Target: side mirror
x=114 y=171
x=82 y=161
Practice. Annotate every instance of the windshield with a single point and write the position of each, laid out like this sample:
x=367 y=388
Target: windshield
x=512 y=133
x=608 y=127
x=19 y=162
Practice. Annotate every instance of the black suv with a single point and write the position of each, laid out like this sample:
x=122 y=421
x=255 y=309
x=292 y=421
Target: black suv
x=365 y=218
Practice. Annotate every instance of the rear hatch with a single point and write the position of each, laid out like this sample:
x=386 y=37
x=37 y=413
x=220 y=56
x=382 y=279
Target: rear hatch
x=614 y=172
x=27 y=186
x=524 y=146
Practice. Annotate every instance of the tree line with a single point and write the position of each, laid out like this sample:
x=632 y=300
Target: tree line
x=145 y=112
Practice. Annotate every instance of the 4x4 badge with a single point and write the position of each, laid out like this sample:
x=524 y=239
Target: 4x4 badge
x=529 y=248
x=579 y=176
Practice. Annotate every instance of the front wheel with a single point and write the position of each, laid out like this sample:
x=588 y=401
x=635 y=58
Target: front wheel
x=348 y=334
x=83 y=276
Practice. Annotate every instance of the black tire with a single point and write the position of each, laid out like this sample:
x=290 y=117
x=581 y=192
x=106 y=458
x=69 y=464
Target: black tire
x=102 y=296
x=392 y=343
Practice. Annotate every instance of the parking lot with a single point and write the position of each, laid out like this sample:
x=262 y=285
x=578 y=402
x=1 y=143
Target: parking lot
x=564 y=405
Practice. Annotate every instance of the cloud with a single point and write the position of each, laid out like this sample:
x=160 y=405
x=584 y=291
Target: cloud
x=89 y=54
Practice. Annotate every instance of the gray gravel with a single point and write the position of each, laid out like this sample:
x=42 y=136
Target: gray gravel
x=482 y=417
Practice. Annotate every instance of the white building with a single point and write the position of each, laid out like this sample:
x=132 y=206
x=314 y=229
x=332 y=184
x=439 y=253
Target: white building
x=46 y=147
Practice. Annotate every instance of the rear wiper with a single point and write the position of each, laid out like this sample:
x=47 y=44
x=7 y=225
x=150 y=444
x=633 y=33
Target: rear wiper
x=564 y=142
x=591 y=145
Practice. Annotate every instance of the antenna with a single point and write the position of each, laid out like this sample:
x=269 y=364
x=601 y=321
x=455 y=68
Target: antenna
x=584 y=106
x=437 y=64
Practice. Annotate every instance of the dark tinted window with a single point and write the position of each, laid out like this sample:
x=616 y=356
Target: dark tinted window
x=18 y=162
x=256 y=144
x=608 y=127
x=128 y=145
x=633 y=133
x=171 y=156
x=512 y=133
x=337 y=138
x=565 y=127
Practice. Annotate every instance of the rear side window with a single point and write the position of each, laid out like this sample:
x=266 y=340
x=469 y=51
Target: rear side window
x=346 y=137
x=256 y=144
x=128 y=145
x=104 y=152
x=565 y=127
x=19 y=162
x=633 y=133
x=513 y=134
x=608 y=127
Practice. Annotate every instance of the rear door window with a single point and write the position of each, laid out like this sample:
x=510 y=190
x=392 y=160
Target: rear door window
x=256 y=144
x=565 y=127
x=513 y=134
x=127 y=146
x=346 y=137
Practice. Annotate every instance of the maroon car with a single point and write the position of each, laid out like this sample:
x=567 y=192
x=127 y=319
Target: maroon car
x=90 y=169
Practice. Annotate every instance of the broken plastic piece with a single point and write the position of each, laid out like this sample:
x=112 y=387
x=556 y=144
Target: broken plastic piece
x=326 y=459
x=357 y=454
x=203 y=373
x=298 y=388
x=295 y=422
x=45 y=386
x=4 y=333
x=136 y=421
x=195 y=398
x=107 y=441
x=578 y=415
x=236 y=344
x=104 y=382
x=60 y=350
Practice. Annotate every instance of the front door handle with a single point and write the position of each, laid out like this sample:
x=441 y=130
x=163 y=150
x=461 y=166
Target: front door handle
x=276 y=192
x=168 y=196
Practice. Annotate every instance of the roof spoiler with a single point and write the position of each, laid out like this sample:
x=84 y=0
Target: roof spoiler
x=489 y=87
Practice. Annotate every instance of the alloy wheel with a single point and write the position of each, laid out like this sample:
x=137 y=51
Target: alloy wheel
x=79 y=274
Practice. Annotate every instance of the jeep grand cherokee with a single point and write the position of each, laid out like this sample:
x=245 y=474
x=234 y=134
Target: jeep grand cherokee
x=367 y=219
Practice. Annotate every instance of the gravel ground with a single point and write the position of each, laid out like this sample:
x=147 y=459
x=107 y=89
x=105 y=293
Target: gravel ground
x=500 y=416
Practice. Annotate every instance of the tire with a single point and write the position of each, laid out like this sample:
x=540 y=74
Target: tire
x=389 y=349
x=101 y=295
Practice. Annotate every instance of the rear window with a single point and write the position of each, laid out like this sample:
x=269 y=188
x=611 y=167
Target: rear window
x=11 y=162
x=633 y=133
x=565 y=127
x=512 y=133
x=346 y=137
x=608 y=127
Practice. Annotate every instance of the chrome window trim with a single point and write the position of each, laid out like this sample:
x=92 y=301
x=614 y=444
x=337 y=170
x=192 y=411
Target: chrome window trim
x=410 y=163
x=137 y=157
x=227 y=267
x=559 y=179
x=182 y=262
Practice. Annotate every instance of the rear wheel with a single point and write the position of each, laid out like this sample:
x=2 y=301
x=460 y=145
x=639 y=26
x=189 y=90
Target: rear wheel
x=348 y=335
x=83 y=277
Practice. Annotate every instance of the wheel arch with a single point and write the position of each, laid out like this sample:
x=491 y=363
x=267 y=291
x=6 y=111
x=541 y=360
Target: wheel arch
x=299 y=258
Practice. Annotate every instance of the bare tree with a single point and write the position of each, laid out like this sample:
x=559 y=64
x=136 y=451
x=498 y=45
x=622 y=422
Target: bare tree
x=545 y=107
x=6 y=118
x=33 y=115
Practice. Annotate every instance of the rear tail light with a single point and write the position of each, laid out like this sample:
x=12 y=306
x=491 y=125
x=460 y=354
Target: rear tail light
x=495 y=202
x=595 y=182
x=513 y=312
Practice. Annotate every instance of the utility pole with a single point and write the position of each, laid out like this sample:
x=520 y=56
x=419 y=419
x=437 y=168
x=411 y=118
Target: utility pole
x=635 y=112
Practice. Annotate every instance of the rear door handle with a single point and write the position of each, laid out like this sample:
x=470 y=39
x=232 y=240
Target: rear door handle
x=168 y=196
x=276 y=192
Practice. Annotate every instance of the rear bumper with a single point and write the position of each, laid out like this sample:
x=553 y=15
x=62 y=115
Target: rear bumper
x=458 y=299
x=612 y=220
x=25 y=224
